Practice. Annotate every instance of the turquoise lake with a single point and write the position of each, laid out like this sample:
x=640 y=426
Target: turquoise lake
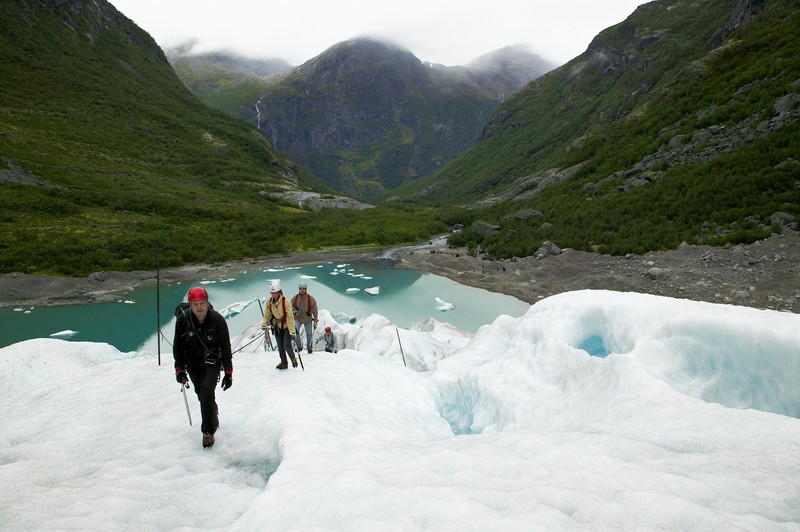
x=405 y=297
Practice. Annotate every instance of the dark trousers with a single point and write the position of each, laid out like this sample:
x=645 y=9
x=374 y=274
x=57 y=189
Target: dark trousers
x=205 y=380
x=283 y=337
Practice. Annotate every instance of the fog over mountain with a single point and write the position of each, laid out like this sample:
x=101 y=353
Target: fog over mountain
x=436 y=32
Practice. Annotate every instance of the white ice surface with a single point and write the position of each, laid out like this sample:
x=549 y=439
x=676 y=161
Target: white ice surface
x=686 y=418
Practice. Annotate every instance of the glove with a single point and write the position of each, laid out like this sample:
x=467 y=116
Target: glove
x=181 y=377
x=227 y=381
x=316 y=323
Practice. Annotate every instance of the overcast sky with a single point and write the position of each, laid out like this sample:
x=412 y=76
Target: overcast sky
x=447 y=32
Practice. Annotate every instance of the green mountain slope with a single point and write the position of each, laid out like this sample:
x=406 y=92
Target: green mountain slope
x=104 y=153
x=679 y=124
x=226 y=82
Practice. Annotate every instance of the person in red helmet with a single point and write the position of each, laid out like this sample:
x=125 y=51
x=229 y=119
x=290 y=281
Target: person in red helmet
x=202 y=348
x=330 y=340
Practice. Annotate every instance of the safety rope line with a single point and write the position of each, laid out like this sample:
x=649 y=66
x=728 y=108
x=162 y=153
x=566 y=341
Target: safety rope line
x=248 y=343
x=258 y=336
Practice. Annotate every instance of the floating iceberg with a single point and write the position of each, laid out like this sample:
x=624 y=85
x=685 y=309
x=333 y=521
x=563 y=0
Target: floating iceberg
x=64 y=334
x=341 y=318
x=352 y=290
x=374 y=291
x=235 y=308
x=444 y=305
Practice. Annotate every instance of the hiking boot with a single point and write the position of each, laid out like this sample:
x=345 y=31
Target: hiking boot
x=282 y=365
x=208 y=439
x=294 y=362
x=310 y=350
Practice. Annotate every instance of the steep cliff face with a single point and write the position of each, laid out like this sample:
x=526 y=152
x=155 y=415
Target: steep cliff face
x=743 y=12
x=367 y=116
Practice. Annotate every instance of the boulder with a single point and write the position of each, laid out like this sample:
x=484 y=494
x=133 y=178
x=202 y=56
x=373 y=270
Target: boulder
x=547 y=249
x=484 y=228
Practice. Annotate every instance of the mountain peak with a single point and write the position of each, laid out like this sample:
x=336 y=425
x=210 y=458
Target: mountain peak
x=367 y=115
x=359 y=53
x=518 y=60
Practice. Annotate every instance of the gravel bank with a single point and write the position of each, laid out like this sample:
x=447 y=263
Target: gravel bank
x=765 y=274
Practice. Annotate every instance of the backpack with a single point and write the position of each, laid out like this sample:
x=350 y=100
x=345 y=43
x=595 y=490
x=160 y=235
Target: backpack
x=184 y=309
x=285 y=313
x=296 y=300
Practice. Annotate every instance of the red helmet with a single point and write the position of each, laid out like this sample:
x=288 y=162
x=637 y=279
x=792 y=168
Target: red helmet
x=327 y=329
x=197 y=293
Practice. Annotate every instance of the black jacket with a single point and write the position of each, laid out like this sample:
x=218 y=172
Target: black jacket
x=189 y=350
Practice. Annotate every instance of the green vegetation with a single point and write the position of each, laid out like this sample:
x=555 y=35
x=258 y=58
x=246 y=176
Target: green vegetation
x=235 y=96
x=71 y=236
x=610 y=119
x=225 y=82
x=105 y=154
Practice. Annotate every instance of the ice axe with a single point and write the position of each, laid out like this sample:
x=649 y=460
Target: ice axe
x=186 y=401
x=401 y=345
x=267 y=338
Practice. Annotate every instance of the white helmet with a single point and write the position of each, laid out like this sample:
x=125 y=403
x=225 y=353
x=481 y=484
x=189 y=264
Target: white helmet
x=274 y=285
x=302 y=284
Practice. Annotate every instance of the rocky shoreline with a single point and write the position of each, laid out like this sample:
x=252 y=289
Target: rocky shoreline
x=765 y=274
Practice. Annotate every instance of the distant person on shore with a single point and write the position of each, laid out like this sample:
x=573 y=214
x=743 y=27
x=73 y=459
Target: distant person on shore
x=330 y=340
x=304 y=307
x=201 y=348
x=278 y=316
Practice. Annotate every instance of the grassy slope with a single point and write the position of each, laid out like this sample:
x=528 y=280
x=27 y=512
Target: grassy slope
x=219 y=85
x=125 y=157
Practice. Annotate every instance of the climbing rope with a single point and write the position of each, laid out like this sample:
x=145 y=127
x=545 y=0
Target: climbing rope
x=257 y=337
